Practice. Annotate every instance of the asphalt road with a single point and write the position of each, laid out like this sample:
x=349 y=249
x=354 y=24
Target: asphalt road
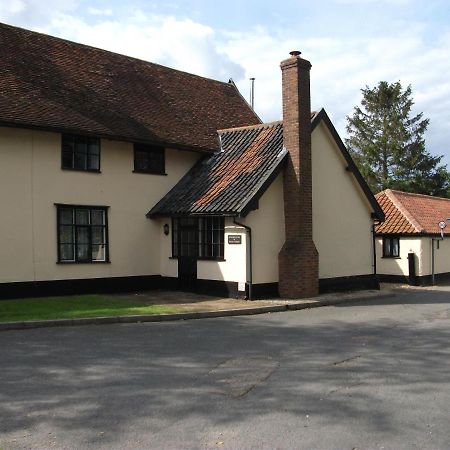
x=360 y=375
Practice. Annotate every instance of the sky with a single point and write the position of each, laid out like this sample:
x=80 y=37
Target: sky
x=350 y=43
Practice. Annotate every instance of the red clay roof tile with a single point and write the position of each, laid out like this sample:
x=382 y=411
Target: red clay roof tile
x=408 y=213
x=50 y=83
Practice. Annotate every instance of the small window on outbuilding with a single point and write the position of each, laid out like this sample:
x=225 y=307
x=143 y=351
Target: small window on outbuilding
x=80 y=153
x=391 y=247
x=149 y=159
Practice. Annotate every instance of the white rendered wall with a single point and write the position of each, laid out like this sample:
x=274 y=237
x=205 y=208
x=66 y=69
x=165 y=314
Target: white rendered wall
x=342 y=225
x=32 y=182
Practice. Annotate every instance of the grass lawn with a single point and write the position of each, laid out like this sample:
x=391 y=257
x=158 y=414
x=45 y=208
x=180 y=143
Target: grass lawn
x=75 y=307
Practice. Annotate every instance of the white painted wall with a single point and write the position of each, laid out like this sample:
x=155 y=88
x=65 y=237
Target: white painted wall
x=399 y=266
x=421 y=247
x=268 y=235
x=30 y=170
x=342 y=226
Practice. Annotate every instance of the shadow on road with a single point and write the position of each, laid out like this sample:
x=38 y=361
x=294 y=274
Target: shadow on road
x=102 y=380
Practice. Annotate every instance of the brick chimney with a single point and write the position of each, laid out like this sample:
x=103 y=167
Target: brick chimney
x=298 y=260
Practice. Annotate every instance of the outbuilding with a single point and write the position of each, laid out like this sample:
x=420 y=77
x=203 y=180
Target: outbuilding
x=413 y=243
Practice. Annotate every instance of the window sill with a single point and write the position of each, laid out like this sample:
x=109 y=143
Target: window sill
x=391 y=257
x=149 y=172
x=82 y=170
x=83 y=262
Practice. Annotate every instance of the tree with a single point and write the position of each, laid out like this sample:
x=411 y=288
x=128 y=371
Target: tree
x=388 y=145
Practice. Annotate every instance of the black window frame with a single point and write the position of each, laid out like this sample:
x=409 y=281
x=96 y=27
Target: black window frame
x=211 y=236
x=72 y=140
x=388 y=246
x=76 y=227
x=141 y=155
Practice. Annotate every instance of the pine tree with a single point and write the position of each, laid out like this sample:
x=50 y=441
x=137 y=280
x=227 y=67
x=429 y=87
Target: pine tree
x=388 y=145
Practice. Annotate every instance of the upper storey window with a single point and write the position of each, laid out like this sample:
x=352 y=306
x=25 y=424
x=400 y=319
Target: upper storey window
x=80 y=153
x=149 y=159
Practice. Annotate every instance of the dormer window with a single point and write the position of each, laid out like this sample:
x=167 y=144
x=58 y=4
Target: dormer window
x=80 y=153
x=149 y=159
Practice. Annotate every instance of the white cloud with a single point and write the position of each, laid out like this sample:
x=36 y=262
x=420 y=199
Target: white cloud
x=100 y=12
x=182 y=44
x=32 y=13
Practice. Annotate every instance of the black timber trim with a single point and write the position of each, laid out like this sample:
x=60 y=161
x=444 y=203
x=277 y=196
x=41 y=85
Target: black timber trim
x=28 y=289
x=323 y=116
x=252 y=202
x=265 y=290
x=111 y=137
x=351 y=283
x=424 y=280
x=225 y=288
x=414 y=235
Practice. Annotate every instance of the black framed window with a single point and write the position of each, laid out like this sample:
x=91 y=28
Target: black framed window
x=80 y=153
x=391 y=247
x=210 y=232
x=149 y=159
x=82 y=234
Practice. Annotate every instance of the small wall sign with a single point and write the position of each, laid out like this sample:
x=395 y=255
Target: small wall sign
x=234 y=239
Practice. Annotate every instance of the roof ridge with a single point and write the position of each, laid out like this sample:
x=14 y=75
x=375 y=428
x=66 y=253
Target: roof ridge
x=403 y=210
x=416 y=194
x=252 y=127
x=80 y=44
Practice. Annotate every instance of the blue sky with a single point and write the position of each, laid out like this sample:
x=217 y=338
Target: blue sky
x=350 y=43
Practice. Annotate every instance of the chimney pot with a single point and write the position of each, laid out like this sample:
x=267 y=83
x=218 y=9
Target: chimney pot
x=295 y=53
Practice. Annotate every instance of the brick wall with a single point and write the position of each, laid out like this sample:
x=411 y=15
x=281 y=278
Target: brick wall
x=298 y=259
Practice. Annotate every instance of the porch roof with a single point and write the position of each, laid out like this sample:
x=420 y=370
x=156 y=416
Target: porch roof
x=231 y=181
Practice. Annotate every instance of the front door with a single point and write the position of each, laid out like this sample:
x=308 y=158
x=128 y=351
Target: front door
x=187 y=255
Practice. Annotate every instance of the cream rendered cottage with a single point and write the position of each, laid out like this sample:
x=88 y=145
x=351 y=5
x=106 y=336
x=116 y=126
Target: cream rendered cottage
x=410 y=245
x=119 y=174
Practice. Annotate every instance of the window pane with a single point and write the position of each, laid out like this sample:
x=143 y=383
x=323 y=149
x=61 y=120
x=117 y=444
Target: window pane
x=93 y=147
x=82 y=235
x=66 y=252
x=66 y=234
x=386 y=247
x=98 y=253
x=97 y=217
x=93 y=162
x=82 y=216
x=80 y=160
x=98 y=235
x=66 y=216
x=83 y=252
x=395 y=247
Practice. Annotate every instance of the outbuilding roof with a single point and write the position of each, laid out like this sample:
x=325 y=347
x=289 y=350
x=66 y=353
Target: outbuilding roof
x=410 y=214
x=50 y=83
x=231 y=181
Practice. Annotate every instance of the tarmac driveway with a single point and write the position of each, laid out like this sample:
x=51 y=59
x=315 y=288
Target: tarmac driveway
x=359 y=375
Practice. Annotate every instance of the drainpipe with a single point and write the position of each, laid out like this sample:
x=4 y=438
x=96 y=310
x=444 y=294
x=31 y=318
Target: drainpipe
x=374 y=250
x=250 y=265
x=432 y=261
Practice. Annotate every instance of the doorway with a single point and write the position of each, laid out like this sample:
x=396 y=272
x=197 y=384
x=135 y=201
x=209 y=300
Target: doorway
x=187 y=241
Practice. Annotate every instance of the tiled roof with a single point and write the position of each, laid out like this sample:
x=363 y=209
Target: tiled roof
x=408 y=213
x=232 y=180
x=50 y=83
